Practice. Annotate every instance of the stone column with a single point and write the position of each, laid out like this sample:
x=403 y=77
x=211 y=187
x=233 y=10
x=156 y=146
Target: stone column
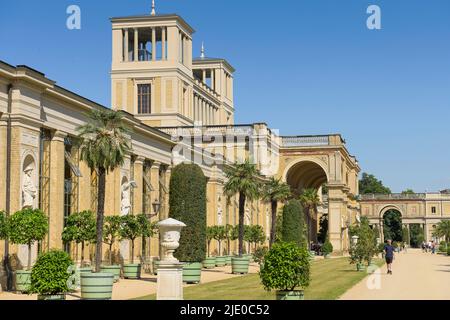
x=163 y=43
x=56 y=218
x=2 y=167
x=136 y=44
x=126 y=56
x=138 y=178
x=154 y=179
x=154 y=44
x=204 y=76
x=213 y=84
x=336 y=208
x=425 y=230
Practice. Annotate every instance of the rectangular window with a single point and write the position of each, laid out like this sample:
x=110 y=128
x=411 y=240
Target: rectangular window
x=144 y=98
x=433 y=209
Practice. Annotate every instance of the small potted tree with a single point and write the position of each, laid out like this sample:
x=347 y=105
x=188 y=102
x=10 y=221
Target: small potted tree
x=26 y=226
x=130 y=229
x=50 y=275
x=327 y=249
x=209 y=262
x=259 y=255
x=286 y=269
x=148 y=230
x=256 y=236
x=220 y=235
x=228 y=238
x=111 y=229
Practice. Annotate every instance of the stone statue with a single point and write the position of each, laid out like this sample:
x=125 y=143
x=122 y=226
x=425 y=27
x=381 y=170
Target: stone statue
x=358 y=217
x=125 y=206
x=29 y=190
x=247 y=216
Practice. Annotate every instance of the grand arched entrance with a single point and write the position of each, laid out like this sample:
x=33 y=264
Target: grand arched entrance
x=392 y=225
x=306 y=179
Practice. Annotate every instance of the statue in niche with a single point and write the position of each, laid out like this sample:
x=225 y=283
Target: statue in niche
x=29 y=190
x=219 y=213
x=125 y=206
x=358 y=217
x=247 y=216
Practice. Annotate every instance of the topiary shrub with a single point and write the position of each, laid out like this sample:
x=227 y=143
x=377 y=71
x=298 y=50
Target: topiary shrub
x=327 y=248
x=256 y=235
x=286 y=267
x=293 y=228
x=51 y=273
x=3 y=226
x=111 y=231
x=130 y=229
x=26 y=227
x=259 y=254
x=80 y=228
x=187 y=200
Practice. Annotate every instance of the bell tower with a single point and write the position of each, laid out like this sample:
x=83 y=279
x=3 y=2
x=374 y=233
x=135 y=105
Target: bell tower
x=151 y=73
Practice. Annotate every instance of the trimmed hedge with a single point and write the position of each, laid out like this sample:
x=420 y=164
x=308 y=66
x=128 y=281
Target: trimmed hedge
x=293 y=228
x=187 y=200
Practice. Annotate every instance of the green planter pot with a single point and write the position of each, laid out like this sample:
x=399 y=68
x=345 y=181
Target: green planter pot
x=79 y=272
x=96 y=286
x=360 y=267
x=290 y=295
x=192 y=272
x=114 y=269
x=228 y=260
x=239 y=265
x=132 y=271
x=221 y=261
x=209 y=263
x=23 y=280
x=51 y=297
x=155 y=264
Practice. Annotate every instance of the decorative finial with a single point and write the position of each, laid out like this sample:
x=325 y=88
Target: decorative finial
x=153 y=8
x=202 y=55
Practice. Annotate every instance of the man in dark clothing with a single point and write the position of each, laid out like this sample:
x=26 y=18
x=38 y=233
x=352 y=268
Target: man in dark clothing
x=389 y=254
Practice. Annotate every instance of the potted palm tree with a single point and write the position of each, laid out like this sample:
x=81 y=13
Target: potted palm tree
x=26 y=226
x=130 y=229
x=111 y=229
x=286 y=269
x=209 y=262
x=187 y=198
x=244 y=180
x=220 y=235
x=310 y=200
x=104 y=145
x=50 y=276
x=275 y=191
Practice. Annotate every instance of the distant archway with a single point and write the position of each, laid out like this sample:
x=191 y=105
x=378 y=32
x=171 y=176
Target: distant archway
x=303 y=175
x=392 y=225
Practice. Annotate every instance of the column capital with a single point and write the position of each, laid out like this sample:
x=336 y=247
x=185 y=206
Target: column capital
x=59 y=136
x=156 y=165
x=139 y=160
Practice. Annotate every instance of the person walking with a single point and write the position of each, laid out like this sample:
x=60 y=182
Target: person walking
x=389 y=255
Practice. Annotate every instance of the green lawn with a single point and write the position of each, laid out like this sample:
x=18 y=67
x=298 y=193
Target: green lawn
x=330 y=278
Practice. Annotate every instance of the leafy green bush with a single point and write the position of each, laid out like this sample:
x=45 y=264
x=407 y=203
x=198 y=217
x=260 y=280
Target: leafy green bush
x=256 y=235
x=219 y=235
x=148 y=230
x=366 y=246
x=327 y=248
x=26 y=227
x=111 y=229
x=286 y=267
x=380 y=248
x=3 y=225
x=293 y=228
x=130 y=229
x=210 y=234
x=443 y=246
x=50 y=273
x=259 y=254
x=80 y=228
x=187 y=199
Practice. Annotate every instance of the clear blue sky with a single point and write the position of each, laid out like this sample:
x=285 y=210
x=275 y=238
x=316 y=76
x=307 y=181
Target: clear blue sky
x=304 y=67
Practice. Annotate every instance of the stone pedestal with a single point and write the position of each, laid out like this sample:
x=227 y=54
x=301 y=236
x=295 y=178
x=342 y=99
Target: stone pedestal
x=170 y=281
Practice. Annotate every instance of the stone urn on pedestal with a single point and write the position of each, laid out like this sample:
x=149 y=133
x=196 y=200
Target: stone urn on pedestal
x=170 y=270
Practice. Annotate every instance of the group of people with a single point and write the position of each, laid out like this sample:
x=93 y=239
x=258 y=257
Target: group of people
x=429 y=246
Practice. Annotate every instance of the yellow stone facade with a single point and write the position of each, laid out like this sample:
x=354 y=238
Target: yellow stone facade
x=181 y=95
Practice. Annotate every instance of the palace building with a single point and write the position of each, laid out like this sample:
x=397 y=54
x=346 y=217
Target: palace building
x=178 y=108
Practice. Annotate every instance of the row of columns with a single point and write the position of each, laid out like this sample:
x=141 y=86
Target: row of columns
x=126 y=43
x=204 y=111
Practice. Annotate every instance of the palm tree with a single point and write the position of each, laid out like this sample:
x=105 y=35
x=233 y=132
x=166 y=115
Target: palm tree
x=443 y=230
x=310 y=200
x=103 y=145
x=275 y=191
x=243 y=179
